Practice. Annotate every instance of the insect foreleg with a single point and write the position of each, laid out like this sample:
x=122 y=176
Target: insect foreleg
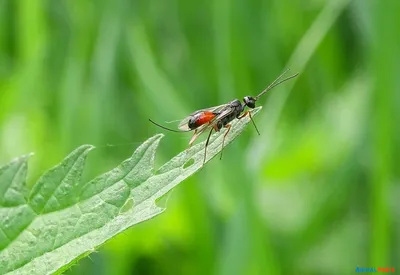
x=248 y=113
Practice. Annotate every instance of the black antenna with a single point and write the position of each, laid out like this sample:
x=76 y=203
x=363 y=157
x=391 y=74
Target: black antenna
x=168 y=129
x=276 y=83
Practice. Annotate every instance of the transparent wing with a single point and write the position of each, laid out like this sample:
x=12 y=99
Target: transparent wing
x=226 y=111
x=183 y=125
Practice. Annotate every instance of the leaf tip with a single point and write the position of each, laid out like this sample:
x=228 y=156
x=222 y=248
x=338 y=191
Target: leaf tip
x=153 y=142
x=87 y=147
x=256 y=110
x=22 y=158
x=156 y=137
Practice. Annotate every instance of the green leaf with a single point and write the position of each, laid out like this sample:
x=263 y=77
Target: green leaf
x=64 y=220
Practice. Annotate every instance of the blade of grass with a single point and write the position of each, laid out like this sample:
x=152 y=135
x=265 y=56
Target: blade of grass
x=385 y=68
x=297 y=62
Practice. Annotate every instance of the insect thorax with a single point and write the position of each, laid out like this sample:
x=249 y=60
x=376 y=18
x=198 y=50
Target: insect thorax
x=236 y=109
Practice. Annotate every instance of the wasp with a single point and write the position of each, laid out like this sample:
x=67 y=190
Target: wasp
x=218 y=117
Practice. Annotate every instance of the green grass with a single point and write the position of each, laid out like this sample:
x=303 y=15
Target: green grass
x=316 y=193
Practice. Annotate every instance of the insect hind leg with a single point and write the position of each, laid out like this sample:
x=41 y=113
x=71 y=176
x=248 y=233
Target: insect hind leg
x=228 y=126
x=205 y=147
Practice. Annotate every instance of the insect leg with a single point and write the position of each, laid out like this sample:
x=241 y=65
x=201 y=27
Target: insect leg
x=248 y=113
x=198 y=132
x=205 y=148
x=228 y=126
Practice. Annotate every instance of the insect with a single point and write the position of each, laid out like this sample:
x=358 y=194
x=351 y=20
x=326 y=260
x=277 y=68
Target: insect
x=218 y=117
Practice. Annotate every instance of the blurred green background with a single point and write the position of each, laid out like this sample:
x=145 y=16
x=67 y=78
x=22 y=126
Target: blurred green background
x=317 y=193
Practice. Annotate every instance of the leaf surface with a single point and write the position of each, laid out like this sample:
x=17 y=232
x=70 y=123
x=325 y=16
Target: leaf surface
x=64 y=219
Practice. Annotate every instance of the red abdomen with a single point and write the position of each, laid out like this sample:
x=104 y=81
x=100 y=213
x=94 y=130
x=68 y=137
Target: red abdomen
x=200 y=119
x=204 y=118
